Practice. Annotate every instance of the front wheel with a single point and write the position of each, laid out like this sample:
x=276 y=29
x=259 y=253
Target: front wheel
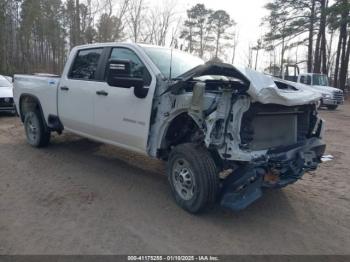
x=193 y=177
x=332 y=107
x=36 y=133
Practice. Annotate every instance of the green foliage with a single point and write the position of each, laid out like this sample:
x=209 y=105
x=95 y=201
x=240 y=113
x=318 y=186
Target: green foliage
x=335 y=18
x=220 y=22
x=286 y=20
x=204 y=28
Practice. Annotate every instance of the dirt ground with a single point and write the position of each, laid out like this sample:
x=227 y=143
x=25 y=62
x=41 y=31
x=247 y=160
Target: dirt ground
x=82 y=197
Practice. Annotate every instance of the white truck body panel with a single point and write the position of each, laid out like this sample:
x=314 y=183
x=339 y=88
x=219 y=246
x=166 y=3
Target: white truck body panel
x=6 y=88
x=6 y=92
x=119 y=118
x=43 y=88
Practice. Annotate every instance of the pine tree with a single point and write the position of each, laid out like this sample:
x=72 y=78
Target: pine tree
x=220 y=21
x=289 y=19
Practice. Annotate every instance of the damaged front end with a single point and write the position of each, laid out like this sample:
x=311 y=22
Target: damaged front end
x=281 y=167
x=265 y=146
x=261 y=133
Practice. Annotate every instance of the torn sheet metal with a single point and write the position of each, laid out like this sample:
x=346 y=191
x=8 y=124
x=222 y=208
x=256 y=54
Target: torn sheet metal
x=263 y=89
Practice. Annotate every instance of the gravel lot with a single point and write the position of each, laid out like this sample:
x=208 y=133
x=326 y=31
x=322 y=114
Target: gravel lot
x=82 y=197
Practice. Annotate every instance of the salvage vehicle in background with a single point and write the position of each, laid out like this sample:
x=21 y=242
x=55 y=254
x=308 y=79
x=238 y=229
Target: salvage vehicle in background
x=331 y=97
x=6 y=96
x=225 y=132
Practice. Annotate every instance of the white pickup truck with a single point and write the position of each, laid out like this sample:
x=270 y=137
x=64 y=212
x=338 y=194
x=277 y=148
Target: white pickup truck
x=331 y=97
x=225 y=132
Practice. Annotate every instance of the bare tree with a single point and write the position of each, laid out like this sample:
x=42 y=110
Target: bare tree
x=235 y=40
x=136 y=16
x=320 y=51
x=111 y=27
x=77 y=23
x=175 y=33
x=257 y=48
x=159 y=20
x=311 y=35
x=249 y=57
x=123 y=8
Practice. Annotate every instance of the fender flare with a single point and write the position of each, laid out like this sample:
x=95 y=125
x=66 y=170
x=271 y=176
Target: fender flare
x=24 y=95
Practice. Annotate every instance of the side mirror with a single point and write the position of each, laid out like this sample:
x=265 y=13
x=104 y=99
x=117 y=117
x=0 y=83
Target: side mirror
x=119 y=75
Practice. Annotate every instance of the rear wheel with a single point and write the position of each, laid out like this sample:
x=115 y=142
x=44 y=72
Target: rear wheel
x=36 y=133
x=193 y=177
x=332 y=107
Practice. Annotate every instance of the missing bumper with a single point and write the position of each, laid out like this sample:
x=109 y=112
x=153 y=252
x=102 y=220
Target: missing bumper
x=284 y=166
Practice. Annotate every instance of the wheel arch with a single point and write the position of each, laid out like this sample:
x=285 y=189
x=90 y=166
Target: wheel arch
x=178 y=129
x=28 y=102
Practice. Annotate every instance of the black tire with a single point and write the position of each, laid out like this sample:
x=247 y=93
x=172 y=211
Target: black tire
x=36 y=133
x=198 y=161
x=332 y=107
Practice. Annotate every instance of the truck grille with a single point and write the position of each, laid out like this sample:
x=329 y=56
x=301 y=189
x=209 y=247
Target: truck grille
x=6 y=102
x=338 y=96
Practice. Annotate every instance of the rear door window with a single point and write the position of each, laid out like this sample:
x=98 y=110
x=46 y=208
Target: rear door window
x=85 y=64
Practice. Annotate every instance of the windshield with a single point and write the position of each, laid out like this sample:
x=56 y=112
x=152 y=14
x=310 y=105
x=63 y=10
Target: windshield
x=181 y=62
x=320 y=80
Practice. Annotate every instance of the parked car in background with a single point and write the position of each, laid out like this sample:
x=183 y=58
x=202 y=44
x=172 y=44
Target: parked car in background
x=331 y=97
x=6 y=95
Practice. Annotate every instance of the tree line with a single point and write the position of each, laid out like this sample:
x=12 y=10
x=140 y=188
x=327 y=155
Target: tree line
x=322 y=27
x=36 y=35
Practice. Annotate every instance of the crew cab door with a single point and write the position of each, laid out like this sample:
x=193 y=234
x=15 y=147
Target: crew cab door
x=120 y=117
x=77 y=91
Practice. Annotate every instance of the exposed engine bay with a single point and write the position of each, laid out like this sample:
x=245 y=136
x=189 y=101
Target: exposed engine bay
x=261 y=132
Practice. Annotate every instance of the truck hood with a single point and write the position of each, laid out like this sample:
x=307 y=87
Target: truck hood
x=326 y=89
x=262 y=88
x=6 y=91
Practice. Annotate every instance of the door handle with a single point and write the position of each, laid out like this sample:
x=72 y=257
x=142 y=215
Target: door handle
x=64 y=88
x=102 y=93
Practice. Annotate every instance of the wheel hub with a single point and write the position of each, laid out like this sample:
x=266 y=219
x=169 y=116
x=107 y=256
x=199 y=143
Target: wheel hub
x=183 y=179
x=32 y=130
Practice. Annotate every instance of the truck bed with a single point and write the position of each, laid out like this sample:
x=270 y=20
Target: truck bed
x=43 y=87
